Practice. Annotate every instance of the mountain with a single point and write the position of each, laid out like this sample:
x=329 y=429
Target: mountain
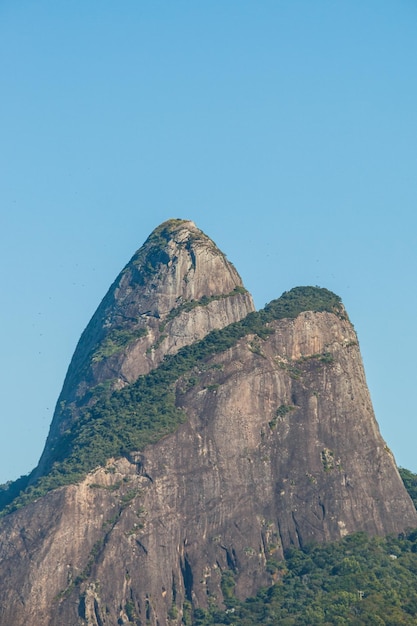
x=194 y=439
x=178 y=287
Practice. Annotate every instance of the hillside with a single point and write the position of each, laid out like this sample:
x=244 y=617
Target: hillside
x=201 y=451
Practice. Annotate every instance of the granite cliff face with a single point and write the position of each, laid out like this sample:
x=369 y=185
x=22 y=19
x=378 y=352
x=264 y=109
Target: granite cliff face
x=279 y=447
x=177 y=288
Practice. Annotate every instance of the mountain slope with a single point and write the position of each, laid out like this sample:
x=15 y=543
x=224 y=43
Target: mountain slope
x=257 y=438
x=176 y=288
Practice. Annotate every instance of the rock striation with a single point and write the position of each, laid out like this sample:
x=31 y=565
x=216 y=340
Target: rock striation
x=279 y=447
x=177 y=288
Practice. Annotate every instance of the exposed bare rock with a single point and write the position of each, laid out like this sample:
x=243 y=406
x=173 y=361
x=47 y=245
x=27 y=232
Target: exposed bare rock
x=177 y=288
x=279 y=448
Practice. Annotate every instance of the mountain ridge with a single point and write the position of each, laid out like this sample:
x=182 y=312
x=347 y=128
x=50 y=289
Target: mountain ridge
x=289 y=305
x=257 y=437
x=175 y=289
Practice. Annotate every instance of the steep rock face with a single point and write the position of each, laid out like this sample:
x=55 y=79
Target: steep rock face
x=280 y=448
x=177 y=288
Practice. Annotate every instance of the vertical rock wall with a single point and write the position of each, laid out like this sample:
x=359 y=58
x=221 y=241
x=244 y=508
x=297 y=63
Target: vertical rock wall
x=280 y=448
x=176 y=289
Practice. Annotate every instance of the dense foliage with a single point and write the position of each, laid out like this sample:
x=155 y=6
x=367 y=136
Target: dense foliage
x=300 y=299
x=410 y=482
x=357 y=581
x=144 y=412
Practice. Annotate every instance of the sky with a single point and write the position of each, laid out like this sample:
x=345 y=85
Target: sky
x=285 y=129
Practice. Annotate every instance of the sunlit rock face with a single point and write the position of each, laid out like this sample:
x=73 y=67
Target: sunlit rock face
x=177 y=288
x=279 y=448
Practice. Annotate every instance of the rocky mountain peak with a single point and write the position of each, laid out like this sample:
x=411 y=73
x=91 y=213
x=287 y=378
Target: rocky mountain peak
x=195 y=441
x=176 y=288
x=178 y=263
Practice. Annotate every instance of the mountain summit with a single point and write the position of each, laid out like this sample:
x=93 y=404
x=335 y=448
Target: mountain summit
x=195 y=437
x=177 y=288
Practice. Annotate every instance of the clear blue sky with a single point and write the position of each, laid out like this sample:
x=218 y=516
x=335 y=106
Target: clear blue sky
x=286 y=129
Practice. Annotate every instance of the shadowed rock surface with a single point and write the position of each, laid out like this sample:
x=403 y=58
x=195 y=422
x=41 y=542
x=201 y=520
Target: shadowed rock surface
x=279 y=448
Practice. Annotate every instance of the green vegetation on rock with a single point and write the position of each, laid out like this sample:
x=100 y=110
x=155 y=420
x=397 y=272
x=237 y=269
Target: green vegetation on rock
x=116 y=341
x=145 y=411
x=204 y=301
x=410 y=483
x=301 y=299
x=153 y=252
x=357 y=581
x=280 y=413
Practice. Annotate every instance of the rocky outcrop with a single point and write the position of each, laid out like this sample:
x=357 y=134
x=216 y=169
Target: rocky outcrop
x=280 y=448
x=177 y=288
